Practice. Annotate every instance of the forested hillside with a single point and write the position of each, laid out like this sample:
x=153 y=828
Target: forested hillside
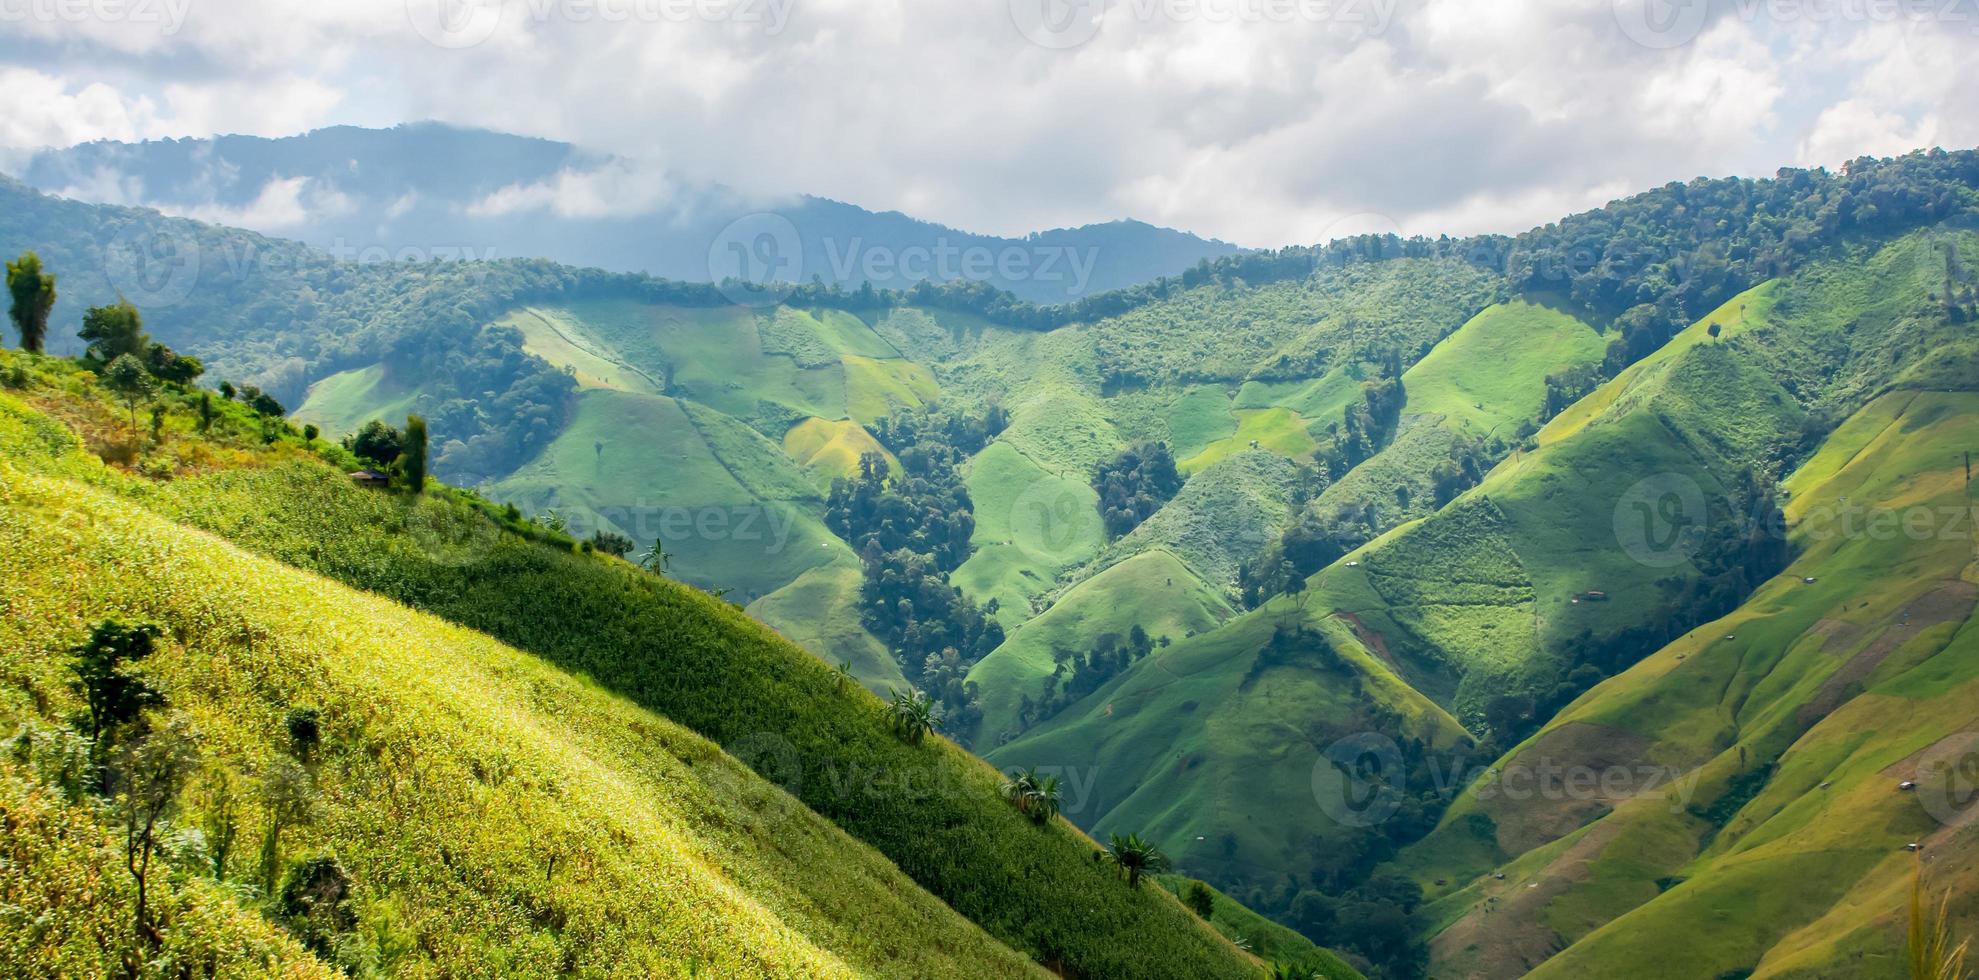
x=1223 y=556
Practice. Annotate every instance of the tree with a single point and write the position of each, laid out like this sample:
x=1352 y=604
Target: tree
x=377 y=442
x=309 y=434
x=155 y=771
x=289 y=795
x=611 y=543
x=911 y=715
x=33 y=295
x=1200 y=900
x=1034 y=797
x=305 y=728
x=415 y=453
x=130 y=382
x=114 y=331
x=166 y=364
x=112 y=693
x=1135 y=857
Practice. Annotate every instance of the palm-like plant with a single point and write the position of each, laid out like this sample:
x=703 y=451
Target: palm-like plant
x=1017 y=789
x=912 y=715
x=1930 y=951
x=1035 y=798
x=1135 y=857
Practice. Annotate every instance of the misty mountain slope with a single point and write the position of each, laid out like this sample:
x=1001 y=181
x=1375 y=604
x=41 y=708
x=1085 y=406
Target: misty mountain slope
x=431 y=190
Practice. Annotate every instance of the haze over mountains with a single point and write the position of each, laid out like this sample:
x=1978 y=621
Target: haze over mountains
x=429 y=190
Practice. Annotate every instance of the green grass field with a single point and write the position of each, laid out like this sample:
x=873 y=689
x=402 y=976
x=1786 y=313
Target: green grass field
x=341 y=403
x=1152 y=590
x=728 y=506
x=1030 y=526
x=647 y=646
x=559 y=338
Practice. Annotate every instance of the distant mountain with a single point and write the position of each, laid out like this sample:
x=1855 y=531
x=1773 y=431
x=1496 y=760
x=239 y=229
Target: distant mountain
x=431 y=190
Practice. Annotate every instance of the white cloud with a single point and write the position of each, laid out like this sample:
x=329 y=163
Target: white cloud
x=282 y=204
x=1452 y=115
x=616 y=188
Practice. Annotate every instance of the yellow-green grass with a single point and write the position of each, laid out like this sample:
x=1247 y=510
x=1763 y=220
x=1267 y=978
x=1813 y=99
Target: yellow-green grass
x=821 y=336
x=1278 y=430
x=875 y=389
x=831 y=449
x=343 y=402
x=1153 y=590
x=820 y=612
x=933 y=809
x=1735 y=316
x=1838 y=683
x=559 y=338
x=730 y=509
x=1490 y=375
x=1198 y=418
x=1031 y=525
x=69 y=900
x=490 y=809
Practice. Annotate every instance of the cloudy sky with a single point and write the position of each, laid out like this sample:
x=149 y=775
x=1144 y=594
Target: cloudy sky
x=1262 y=122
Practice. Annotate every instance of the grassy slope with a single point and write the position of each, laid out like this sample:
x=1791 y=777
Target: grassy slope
x=1846 y=685
x=932 y=809
x=1212 y=747
x=1152 y=590
x=1480 y=382
x=1264 y=937
x=1031 y=525
x=831 y=449
x=454 y=770
x=1835 y=334
x=343 y=402
x=560 y=339
x=820 y=612
x=731 y=510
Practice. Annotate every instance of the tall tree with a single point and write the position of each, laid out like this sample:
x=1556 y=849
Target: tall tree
x=131 y=383
x=113 y=331
x=34 y=296
x=415 y=453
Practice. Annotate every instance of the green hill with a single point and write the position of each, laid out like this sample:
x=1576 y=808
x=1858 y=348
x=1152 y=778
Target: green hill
x=649 y=648
x=488 y=808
